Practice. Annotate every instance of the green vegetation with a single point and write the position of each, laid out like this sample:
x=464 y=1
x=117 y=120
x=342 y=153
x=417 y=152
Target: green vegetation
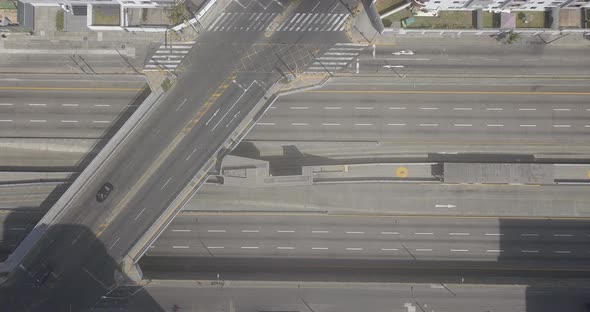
x=397 y=17
x=178 y=14
x=512 y=37
x=531 y=19
x=446 y=20
x=491 y=20
x=166 y=84
x=106 y=16
x=59 y=20
x=8 y=5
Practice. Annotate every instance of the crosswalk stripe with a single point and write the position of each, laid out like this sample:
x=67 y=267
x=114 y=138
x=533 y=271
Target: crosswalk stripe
x=312 y=20
x=322 y=21
x=287 y=22
x=347 y=49
x=172 y=52
x=267 y=19
x=341 y=44
x=330 y=63
x=249 y=21
x=167 y=56
x=221 y=25
x=341 y=24
x=164 y=62
x=335 y=58
x=303 y=22
x=334 y=23
x=339 y=53
x=329 y=22
x=216 y=21
x=297 y=21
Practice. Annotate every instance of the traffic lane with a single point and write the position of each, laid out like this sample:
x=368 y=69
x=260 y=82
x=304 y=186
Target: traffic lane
x=364 y=270
x=483 y=68
x=474 y=51
x=71 y=81
x=192 y=148
x=87 y=126
x=349 y=236
x=355 y=297
x=25 y=196
x=27 y=102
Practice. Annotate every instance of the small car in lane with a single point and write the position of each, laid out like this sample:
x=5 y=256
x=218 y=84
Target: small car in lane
x=104 y=192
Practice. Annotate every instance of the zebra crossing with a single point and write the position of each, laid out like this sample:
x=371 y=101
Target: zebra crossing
x=168 y=57
x=315 y=22
x=337 y=57
x=242 y=22
x=262 y=22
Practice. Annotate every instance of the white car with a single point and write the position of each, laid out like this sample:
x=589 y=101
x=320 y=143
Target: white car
x=403 y=52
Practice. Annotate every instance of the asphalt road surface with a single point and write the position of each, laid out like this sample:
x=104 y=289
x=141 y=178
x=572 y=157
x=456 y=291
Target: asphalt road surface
x=441 y=111
x=64 y=106
x=373 y=237
x=354 y=297
x=444 y=57
x=163 y=154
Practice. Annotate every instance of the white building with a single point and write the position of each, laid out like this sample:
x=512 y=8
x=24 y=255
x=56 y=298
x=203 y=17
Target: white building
x=500 y=5
x=85 y=8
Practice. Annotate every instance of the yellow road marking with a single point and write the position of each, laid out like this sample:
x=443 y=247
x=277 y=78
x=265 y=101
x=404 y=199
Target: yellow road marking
x=169 y=149
x=70 y=89
x=450 y=92
x=401 y=172
x=588 y=174
x=376 y=215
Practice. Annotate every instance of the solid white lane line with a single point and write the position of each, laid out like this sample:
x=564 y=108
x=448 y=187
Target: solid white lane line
x=285 y=231
x=215 y=247
x=529 y=251
x=249 y=247
x=397 y=108
x=69 y=121
x=562 y=109
x=5 y=120
x=428 y=125
x=563 y=251
x=423 y=233
x=389 y=249
x=163 y=186
x=5 y=104
x=462 y=125
x=101 y=121
x=70 y=105
x=265 y=124
x=462 y=108
x=180 y=247
x=181 y=230
x=333 y=107
x=319 y=248
x=423 y=249
x=320 y=232
x=528 y=125
x=101 y=105
x=152 y=246
x=299 y=107
x=396 y=124
x=529 y=234
x=37 y=120
x=286 y=248
x=353 y=248
x=459 y=250
x=363 y=124
x=389 y=233
x=563 y=235
x=494 y=234
x=428 y=108
x=18 y=229
x=191 y=154
x=113 y=245
x=494 y=250
x=527 y=109
x=363 y=107
x=330 y=124
x=494 y=109
x=494 y=125
x=355 y=232
x=299 y=124
x=561 y=126
x=180 y=105
x=215 y=231
x=250 y=231
x=139 y=214
x=459 y=234
x=37 y=104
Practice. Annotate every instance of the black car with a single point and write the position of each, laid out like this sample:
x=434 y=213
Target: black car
x=104 y=192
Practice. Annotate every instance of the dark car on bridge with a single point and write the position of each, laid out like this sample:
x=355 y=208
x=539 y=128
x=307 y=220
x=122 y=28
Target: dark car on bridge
x=104 y=192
